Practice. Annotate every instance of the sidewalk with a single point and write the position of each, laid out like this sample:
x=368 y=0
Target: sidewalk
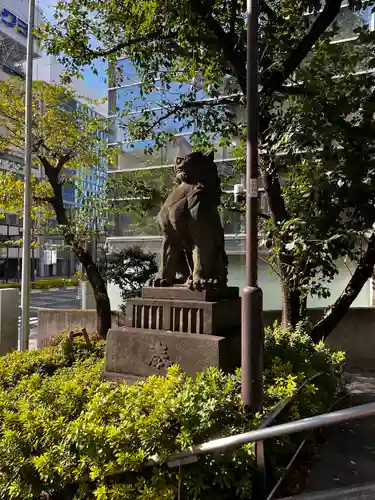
x=346 y=467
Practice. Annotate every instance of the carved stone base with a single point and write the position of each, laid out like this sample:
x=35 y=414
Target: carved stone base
x=184 y=316
x=175 y=326
x=133 y=354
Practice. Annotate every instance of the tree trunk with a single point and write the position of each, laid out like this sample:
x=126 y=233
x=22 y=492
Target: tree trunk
x=290 y=296
x=291 y=306
x=103 y=306
x=337 y=311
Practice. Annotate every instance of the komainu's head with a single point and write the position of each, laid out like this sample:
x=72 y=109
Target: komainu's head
x=199 y=169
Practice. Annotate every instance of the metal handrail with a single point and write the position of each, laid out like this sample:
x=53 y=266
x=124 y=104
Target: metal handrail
x=192 y=454
x=275 y=412
x=306 y=424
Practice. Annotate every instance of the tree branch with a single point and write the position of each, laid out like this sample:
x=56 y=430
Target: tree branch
x=154 y=36
x=297 y=90
x=336 y=312
x=275 y=78
x=270 y=13
x=9 y=117
x=48 y=168
x=233 y=17
x=368 y=111
x=149 y=37
x=238 y=98
x=62 y=160
x=43 y=199
x=227 y=43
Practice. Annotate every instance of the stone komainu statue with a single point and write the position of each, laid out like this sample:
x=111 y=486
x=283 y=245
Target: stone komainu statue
x=193 y=249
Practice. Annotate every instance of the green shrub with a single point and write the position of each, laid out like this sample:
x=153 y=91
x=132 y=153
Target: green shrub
x=60 y=423
x=130 y=269
x=55 y=283
x=18 y=365
x=45 y=284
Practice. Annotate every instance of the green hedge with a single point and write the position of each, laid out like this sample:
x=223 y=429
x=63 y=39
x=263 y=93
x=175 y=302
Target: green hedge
x=59 y=422
x=45 y=284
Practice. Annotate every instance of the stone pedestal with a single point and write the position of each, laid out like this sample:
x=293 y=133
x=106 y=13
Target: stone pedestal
x=9 y=312
x=176 y=309
x=176 y=326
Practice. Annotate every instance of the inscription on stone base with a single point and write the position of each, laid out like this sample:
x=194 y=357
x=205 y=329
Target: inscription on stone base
x=133 y=353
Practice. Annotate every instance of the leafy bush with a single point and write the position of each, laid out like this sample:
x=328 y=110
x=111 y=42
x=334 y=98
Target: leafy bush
x=45 y=284
x=63 y=353
x=54 y=283
x=61 y=424
x=131 y=269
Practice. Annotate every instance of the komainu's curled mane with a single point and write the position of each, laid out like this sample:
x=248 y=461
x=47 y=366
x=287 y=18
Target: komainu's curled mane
x=193 y=237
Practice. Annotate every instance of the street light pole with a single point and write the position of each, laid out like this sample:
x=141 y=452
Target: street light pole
x=25 y=282
x=252 y=337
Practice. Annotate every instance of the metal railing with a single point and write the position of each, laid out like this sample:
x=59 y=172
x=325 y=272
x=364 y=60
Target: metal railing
x=262 y=434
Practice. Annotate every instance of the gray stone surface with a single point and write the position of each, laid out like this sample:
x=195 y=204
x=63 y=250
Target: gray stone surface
x=346 y=467
x=348 y=457
x=9 y=307
x=353 y=493
x=182 y=293
x=140 y=354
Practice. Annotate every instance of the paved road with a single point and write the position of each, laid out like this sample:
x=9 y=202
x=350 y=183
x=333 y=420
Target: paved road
x=63 y=298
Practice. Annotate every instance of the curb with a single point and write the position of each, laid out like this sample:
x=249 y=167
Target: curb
x=55 y=289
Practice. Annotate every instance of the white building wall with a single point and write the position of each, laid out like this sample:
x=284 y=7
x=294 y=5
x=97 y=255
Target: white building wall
x=268 y=281
x=19 y=8
x=49 y=69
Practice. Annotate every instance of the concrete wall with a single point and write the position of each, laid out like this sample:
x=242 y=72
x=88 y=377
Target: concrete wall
x=55 y=321
x=355 y=335
x=9 y=310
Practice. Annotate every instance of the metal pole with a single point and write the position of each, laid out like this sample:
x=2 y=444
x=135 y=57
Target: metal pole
x=25 y=283
x=252 y=321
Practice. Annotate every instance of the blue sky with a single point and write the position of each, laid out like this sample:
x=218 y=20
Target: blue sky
x=95 y=82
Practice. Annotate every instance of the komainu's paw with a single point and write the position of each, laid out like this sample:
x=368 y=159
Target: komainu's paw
x=160 y=282
x=203 y=284
x=195 y=285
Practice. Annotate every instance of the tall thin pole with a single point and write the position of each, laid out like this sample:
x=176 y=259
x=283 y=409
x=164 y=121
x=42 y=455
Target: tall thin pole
x=252 y=323
x=25 y=283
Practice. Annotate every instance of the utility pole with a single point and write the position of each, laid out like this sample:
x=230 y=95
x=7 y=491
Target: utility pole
x=252 y=337
x=25 y=282
x=252 y=334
